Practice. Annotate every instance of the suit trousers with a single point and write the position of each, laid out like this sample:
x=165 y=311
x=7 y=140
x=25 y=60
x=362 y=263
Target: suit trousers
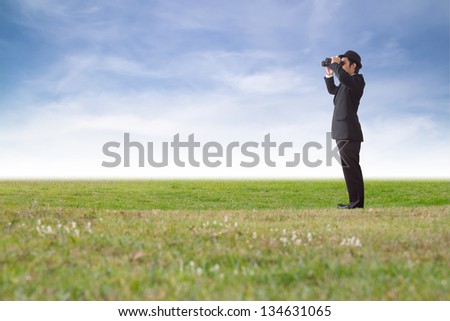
x=349 y=153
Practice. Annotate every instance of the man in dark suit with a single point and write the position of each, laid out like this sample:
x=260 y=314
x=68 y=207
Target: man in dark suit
x=345 y=128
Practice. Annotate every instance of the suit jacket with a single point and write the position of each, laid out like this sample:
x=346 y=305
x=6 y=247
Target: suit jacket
x=345 y=124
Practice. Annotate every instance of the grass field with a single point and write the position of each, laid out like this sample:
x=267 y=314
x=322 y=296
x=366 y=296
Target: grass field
x=223 y=240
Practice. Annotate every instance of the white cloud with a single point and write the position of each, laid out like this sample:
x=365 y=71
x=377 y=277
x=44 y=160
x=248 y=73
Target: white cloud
x=224 y=71
x=266 y=83
x=70 y=135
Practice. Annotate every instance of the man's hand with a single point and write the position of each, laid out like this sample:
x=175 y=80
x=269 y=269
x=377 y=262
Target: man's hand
x=329 y=72
x=336 y=59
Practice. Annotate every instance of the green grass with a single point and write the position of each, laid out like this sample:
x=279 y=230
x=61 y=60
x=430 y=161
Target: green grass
x=216 y=194
x=223 y=240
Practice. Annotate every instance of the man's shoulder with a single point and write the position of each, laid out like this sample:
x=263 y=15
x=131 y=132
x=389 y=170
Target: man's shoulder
x=359 y=78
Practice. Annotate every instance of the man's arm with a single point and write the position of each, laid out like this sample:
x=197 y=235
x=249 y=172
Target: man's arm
x=344 y=77
x=329 y=81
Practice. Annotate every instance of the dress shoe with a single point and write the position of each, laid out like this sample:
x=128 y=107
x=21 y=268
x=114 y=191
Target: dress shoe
x=347 y=206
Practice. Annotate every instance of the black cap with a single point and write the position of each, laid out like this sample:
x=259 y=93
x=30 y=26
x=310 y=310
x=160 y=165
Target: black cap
x=353 y=56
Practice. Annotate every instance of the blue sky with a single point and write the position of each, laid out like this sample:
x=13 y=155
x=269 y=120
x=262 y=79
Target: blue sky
x=77 y=74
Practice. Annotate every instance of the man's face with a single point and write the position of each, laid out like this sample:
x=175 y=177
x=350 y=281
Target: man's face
x=347 y=67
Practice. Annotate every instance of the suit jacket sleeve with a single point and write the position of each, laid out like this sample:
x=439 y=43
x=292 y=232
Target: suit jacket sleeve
x=353 y=83
x=331 y=86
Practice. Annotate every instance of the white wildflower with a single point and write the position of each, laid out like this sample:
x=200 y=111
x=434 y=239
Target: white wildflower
x=215 y=268
x=255 y=235
x=309 y=236
x=294 y=236
x=283 y=240
x=44 y=229
x=352 y=241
